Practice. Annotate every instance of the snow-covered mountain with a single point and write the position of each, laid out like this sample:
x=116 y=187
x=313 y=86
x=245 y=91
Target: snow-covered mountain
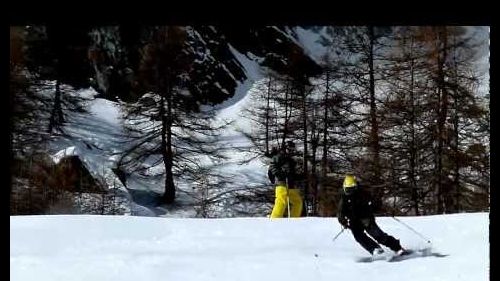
x=46 y=248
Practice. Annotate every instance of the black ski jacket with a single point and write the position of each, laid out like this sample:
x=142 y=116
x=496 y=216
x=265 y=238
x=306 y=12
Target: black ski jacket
x=357 y=205
x=283 y=167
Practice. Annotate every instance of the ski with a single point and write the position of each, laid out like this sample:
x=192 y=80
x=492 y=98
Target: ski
x=427 y=252
x=409 y=254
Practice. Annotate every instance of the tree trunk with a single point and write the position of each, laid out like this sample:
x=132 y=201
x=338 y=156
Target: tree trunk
x=413 y=148
x=314 y=182
x=442 y=113
x=456 y=130
x=166 y=146
x=374 y=133
x=304 y=139
x=324 y=157
x=287 y=114
x=56 y=116
x=268 y=109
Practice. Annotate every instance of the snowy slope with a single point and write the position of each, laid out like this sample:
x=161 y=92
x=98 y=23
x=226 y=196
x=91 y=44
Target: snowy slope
x=254 y=172
x=47 y=248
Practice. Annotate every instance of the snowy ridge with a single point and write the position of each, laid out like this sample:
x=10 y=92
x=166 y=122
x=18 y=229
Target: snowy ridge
x=69 y=151
x=253 y=73
x=310 y=42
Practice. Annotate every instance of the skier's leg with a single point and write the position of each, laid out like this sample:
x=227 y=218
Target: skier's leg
x=359 y=234
x=279 y=202
x=295 y=202
x=383 y=238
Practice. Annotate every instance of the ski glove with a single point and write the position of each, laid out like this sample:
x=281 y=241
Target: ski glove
x=344 y=222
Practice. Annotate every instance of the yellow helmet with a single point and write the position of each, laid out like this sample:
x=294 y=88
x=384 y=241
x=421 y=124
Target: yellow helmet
x=349 y=183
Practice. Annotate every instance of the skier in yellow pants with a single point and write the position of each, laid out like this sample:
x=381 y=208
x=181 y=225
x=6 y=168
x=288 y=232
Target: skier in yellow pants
x=283 y=168
x=281 y=204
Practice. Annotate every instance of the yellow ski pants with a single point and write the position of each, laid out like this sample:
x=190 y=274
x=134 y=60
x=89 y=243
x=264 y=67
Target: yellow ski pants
x=280 y=203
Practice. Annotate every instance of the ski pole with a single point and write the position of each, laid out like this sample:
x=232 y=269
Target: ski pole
x=287 y=198
x=338 y=234
x=423 y=237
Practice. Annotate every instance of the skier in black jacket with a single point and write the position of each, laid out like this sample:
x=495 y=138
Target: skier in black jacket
x=356 y=213
x=283 y=167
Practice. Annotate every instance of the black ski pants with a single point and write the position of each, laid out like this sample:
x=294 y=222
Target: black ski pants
x=360 y=229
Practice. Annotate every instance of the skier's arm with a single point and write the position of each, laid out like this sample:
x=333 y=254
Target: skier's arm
x=340 y=206
x=341 y=215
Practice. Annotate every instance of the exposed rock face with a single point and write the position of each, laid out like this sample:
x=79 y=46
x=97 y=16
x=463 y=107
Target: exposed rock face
x=74 y=176
x=38 y=184
x=116 y=53
x=109 y=57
